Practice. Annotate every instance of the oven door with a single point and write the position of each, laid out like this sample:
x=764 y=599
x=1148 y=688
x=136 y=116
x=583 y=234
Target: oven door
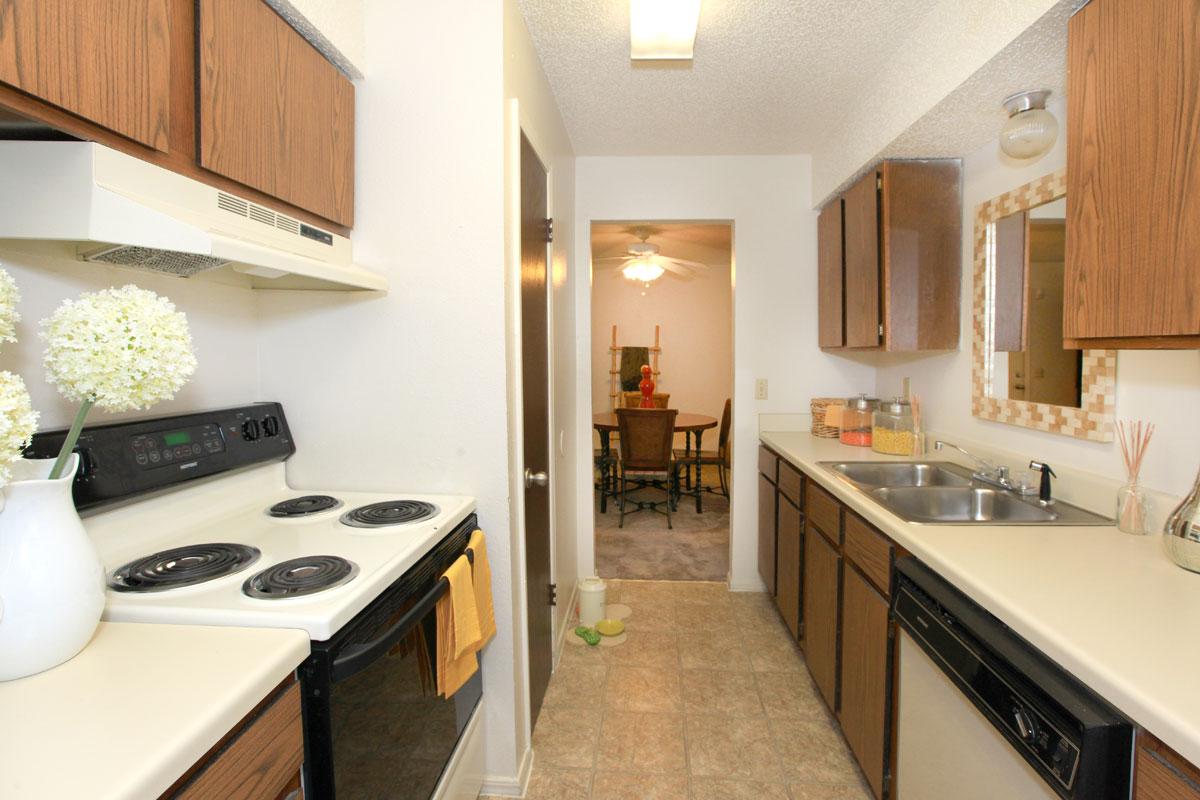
x=374 y=724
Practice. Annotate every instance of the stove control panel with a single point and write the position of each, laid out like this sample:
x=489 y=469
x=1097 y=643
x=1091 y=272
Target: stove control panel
x=125 y=459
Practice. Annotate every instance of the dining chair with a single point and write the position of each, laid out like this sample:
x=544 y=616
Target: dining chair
x=605 y=465
x=646 y=438
x=634 y=399
x=719 y=458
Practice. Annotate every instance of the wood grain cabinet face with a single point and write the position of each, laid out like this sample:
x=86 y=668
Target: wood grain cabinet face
x=273 y=113
x=105 y=61
x=901 y=259
x=1162 y=774
x=831 y=277
x=766 y=532
x=865 y=674
x=1133 y=180
x=822 y=576
x=788 y=564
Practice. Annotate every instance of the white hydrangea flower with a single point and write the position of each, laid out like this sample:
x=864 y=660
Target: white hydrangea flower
x=122 y=348
x=9 y=297
x=18 y=421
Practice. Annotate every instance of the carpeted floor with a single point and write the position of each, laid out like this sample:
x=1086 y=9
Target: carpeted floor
x=696 y=550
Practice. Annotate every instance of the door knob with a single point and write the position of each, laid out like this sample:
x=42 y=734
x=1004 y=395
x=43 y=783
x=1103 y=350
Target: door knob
x=535 y=478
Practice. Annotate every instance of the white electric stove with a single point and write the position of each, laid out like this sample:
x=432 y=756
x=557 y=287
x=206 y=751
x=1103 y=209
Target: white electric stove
x=195 y=524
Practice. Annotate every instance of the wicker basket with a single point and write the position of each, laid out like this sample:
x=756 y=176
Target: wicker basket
x=819 y=428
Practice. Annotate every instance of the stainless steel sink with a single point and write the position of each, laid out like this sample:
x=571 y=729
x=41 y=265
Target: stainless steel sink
x=944 y=493
x=960 y=504
x=902 y=473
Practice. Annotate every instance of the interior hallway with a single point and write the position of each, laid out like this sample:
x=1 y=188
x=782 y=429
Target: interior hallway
x=707 y=699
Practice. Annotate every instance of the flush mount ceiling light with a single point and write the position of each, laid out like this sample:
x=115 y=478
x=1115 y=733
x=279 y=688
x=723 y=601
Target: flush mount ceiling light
x=642 y=270
x=662 y=29
x=1031 y=130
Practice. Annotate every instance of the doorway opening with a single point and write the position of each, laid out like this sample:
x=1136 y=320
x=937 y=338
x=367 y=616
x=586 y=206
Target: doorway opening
x=662 y=314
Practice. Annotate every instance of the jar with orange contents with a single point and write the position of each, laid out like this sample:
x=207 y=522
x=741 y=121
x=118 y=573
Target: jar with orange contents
x=856 y=421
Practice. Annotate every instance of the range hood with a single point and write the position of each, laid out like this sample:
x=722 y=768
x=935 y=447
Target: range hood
x=127 y=212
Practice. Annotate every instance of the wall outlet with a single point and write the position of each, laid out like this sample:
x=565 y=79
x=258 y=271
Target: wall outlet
x=760 y=389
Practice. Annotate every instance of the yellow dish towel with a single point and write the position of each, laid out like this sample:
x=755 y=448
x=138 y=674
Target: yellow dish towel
x=482 y=572
x=457 y=629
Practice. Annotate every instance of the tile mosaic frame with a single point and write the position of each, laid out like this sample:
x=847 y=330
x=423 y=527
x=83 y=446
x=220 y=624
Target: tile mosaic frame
x=1093 y=421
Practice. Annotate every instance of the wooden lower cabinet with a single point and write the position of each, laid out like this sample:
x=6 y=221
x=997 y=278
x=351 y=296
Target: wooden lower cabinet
x=259 y=759
x=766 y=532
x=822 y=576
x=866 y=670
x=788 y=558
x=1162 y=774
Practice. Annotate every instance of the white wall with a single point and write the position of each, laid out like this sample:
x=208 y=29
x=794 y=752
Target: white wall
x=222 y=320
x=1162 y=387
x=767 y=198
x=696 y=317
x=408 y=390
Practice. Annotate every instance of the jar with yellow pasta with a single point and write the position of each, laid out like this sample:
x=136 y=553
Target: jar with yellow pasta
x=892 y=430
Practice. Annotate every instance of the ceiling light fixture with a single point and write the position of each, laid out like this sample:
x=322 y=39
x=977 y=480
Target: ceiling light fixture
x=662 y=29
x=1031 y=130
x=642 y=270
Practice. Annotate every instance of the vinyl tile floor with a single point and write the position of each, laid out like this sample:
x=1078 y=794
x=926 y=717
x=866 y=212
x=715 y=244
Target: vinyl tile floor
x=708 y=699
x=696 y=549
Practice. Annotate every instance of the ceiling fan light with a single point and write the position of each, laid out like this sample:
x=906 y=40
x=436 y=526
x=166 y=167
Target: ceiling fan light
x=642 y=270
x=663 y=29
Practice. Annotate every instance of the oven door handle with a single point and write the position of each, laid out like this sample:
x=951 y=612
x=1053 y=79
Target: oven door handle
x=358 y=657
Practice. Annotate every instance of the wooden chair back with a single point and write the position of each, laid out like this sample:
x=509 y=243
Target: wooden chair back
x=646 y=438
x=723 y=434
x=634 y=399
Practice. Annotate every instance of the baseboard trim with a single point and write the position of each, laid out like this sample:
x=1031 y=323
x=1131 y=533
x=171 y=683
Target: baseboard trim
x=508 y=786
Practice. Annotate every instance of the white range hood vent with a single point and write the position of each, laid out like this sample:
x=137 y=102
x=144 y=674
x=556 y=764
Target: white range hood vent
x=123 y=211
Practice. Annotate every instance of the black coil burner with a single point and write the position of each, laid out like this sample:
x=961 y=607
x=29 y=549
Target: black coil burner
x=391 y=512
x=183 y=566
x=303 y=506
x=300 y=576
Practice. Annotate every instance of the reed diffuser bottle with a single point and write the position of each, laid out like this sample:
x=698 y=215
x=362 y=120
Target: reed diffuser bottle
x=1132 y=504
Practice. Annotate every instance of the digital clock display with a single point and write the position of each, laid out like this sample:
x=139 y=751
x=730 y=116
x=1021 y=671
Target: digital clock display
x=177 y=438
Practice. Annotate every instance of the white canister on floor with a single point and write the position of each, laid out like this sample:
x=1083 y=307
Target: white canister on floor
x=591 y=601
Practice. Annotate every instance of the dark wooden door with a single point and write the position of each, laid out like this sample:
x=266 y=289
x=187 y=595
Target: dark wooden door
x=105 y=61
x=865 y=671
x=863 y=314
x=273 y=113
x=788 y=560
x=822 y=572
x=766 y=532
x=831 y=277
x=1133 y=173
x=535 y=398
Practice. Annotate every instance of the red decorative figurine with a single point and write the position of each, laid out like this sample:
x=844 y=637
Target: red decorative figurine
x=647 y=388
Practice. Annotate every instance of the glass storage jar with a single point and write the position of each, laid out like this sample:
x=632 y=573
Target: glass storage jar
x=893 y=430
x=856 y=420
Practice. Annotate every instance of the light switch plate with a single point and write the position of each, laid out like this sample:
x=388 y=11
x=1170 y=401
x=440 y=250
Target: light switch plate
x=760 y=389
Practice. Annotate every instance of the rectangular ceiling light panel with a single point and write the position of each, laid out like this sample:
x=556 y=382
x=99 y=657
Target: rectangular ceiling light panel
x=662 y=29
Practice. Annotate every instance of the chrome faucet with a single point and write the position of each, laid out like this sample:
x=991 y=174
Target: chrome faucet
x=987 y=472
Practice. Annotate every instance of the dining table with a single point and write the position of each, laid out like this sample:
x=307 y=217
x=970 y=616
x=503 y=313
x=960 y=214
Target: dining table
x=690 y=425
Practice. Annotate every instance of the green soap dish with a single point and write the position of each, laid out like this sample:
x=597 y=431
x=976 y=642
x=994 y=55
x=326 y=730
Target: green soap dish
x=588 y=635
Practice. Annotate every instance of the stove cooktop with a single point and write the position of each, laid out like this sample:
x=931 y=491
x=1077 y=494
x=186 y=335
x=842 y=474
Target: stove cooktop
x=246 y=549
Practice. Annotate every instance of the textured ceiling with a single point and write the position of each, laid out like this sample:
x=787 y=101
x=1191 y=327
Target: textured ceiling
x=769 y=76
x=692 y=241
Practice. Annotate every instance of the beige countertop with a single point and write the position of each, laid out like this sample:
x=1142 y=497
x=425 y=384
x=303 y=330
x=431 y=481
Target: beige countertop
x=1109 y=607
x=136 y=708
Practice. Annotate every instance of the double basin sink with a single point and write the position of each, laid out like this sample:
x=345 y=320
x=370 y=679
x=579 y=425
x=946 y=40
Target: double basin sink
x=945 y=493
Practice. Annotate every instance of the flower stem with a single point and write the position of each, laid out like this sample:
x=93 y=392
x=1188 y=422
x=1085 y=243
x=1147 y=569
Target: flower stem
x=68 y=446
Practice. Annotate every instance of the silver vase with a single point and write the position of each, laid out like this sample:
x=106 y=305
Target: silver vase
x=1181 y=534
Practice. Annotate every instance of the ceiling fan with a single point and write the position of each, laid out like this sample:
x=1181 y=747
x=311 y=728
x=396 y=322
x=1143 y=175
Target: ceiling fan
x=645 y=264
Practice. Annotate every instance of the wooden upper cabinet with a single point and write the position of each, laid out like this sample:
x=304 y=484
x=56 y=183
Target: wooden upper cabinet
x=1133 y=175
x=831 y=277
x=273 y=113
x=105 y=61
x=863 y=269
x=901 y=257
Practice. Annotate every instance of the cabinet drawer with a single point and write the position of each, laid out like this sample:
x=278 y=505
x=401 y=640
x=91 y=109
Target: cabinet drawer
x=824 y=512
x=870 y=551
x=790 y=482
x=768 y=464
x=260 y=761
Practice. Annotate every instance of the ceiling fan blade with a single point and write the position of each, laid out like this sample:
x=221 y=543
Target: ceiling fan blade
x=693 y=265
x=684 y=273
x=613 y=258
